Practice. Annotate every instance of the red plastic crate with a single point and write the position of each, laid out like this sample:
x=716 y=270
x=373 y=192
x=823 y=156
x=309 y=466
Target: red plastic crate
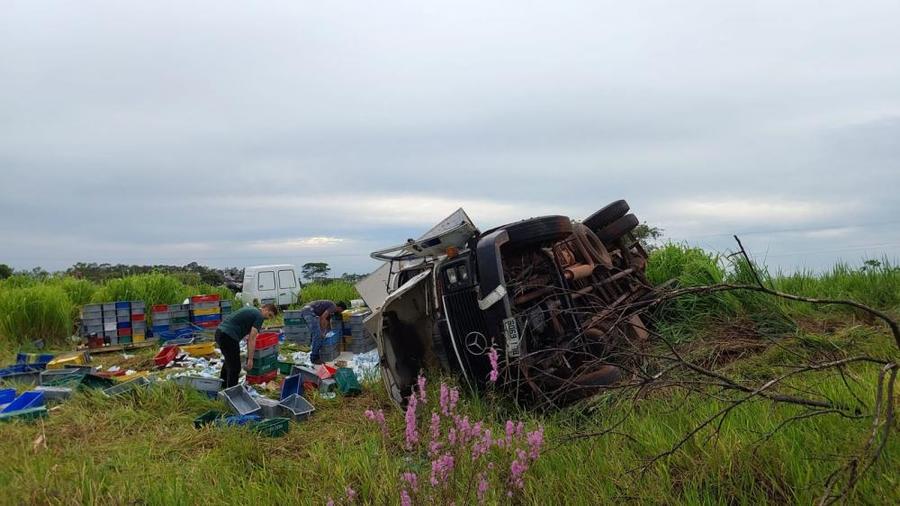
x=137 y=317
x=166 y=355
x=205 y=298
x=266 y=339
x=208 y=325
x=160 y=308
x=262 y=378
x=123 y=332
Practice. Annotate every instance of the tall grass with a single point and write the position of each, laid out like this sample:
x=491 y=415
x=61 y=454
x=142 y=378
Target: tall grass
x=333 y=290
x=35 y=312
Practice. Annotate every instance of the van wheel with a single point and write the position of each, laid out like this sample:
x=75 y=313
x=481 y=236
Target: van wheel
x=607 y=215
x=618 y=228
x=543 y=230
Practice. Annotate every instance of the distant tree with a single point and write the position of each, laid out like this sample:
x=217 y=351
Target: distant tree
x=647 y=235
x=5 y=271
x=39 y=273
x=352 y=278
x=315 y=271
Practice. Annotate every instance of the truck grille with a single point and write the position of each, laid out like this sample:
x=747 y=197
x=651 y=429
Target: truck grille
x=464 y=315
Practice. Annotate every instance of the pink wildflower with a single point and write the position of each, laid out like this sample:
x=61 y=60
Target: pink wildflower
x=405 y=500
x=377 y=417
x=330 y=502
x=482 y=445
x=495 y=367
x=412 y=479
x=454 y=398
x=412 y=433
x=517 y=470
x=451 y=436
x=441 y=468
x=351 y=494
x=421 y=384
x=483 y=485
x=535 y=441
x=445 y=399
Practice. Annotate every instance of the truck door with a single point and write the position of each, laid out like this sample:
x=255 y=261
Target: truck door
x=287 y=287
x=265 y=285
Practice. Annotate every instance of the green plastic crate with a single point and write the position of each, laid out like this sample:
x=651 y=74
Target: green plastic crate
x=294 y=321
x=94 y=381
x=273 y=427
x=259 y=370
x=284 y=368
x=125 y=340
x=347 y=382
x=207 y=418
x=179 y=319
x=271 y=360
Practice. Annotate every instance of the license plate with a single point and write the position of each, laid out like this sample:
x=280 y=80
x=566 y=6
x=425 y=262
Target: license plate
x=512 y=337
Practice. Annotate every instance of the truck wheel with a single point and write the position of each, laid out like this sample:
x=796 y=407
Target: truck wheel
x=546 y=229
x=607 y=215
x=618 y=228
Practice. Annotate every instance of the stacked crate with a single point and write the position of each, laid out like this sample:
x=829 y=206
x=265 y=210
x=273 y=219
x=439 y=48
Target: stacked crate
x=265 y=359
x=206 y=311
x=331 y=346
x=179 y=316
x=138 y=321
x=110 y=334
x=123 y=322
x=225 y=307
x=361 y=341
x=159 y=318
x=295 y=328
x=92 y=320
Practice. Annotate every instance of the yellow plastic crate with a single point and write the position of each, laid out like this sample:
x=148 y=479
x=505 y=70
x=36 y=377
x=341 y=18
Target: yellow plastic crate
x=126 y=377
x=138 y=337
x=205 y=312
x=201 y=349
x=59 y=363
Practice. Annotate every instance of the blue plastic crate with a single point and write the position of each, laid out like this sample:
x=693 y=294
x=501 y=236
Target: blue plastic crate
x=159 y=328
x=18 y=369
x=208 y=318
x=292 y=385
x=123 y=305
x=41 y=359
x=123 y=325
x=27 y=400
x=7 y=395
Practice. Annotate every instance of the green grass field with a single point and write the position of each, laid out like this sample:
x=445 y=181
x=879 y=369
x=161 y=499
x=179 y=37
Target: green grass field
x=144 y=449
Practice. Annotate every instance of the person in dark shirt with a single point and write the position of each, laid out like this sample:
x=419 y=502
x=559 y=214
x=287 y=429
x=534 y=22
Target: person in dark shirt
x=318 y=317
x=245 y=322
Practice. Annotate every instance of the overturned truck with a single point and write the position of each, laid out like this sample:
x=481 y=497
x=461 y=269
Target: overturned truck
x=556 y=298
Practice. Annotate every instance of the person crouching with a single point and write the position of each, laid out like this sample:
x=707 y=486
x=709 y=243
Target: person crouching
x=245 y=322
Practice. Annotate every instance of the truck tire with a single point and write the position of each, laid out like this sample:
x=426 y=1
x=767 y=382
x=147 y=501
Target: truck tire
x=543 y=230
x=618 y=228
x=607 y=215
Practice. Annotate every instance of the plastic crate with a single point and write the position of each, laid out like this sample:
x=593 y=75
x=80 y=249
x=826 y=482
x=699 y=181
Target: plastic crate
x=238 y=420
x=125 y=339
x=200 y=383
x=52 y=377
x=209 y=325
x=26 y=400
x=294 y=321
x=138 y=317
x=123 y=305
x=206 y=311
x=284 y=368
x=269 y=407
x=346 y=381
x=259 y=379
x=307 y=375
x=267 y=361
x=207 y=418
x=296 y=407
x=109 y=306
x=55 y=393
x=96 y=381
x=291 y=385
x=265 y=352
x=166 y=355
x=208 y=318
x=7 y=395
x=200 y=349
x=159 y=308
x=25 y=414
x=205 y=298
x=127 y=386
x=273 y=427
x=60 y=362
x=266 y=339
x=240 y=401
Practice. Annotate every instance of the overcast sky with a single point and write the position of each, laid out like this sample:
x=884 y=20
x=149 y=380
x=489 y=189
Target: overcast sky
x=236 y=133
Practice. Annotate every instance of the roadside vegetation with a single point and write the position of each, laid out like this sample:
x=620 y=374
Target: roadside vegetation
x=144 y=448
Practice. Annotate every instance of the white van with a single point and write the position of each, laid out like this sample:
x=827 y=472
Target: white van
x=277 y=284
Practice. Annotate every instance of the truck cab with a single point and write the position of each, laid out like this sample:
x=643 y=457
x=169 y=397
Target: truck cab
x=276 y=284
x=555 y=297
